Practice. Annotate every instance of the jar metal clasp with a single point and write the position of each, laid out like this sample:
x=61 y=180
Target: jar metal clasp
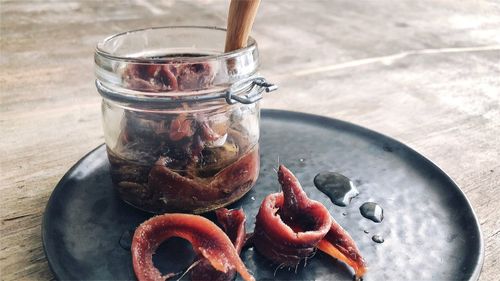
x=254 y=86
x=258 y=86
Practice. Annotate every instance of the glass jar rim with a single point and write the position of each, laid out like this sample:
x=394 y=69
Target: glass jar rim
x=232 y=76
x=99 y=49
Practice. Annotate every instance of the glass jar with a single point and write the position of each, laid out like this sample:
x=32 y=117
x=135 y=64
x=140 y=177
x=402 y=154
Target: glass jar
x=180 y=117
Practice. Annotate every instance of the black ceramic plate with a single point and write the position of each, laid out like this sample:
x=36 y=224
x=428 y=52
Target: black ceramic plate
x=430 y=230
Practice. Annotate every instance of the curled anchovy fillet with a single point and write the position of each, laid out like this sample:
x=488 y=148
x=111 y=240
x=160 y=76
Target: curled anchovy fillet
x=233 y=224
x=228 y=182
x=290 y=227
x=207 y=239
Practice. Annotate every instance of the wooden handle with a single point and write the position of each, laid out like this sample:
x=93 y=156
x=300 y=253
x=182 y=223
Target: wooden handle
x=239 y=23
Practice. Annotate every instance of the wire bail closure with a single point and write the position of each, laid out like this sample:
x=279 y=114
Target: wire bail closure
x=255 y=86
x=259 y=85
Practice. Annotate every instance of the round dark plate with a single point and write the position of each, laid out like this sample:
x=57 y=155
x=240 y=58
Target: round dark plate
x=430 y=229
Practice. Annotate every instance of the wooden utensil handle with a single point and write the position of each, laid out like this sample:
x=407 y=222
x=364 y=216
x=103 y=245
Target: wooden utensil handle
x=240 y=20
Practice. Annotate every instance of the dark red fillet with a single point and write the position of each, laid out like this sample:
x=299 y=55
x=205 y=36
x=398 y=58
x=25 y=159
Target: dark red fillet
x=207 y=239
x=281 y=214
x=339 y=244
x=151 y=78
x=169 y=77
x=233 y=223
x=290 y=226
x=227 y=182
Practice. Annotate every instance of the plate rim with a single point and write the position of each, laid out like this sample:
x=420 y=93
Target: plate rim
x=265 y=112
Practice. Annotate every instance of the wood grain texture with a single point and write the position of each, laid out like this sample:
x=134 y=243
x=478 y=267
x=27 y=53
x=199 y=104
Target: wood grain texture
x=239 y=23
x=424 y=72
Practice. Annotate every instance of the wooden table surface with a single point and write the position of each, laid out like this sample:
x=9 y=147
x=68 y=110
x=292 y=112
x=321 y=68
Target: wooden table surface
x=424 y=72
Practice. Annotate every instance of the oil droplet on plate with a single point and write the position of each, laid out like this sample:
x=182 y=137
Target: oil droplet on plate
x=372 y=211
x=377 y=238
x=339 y=188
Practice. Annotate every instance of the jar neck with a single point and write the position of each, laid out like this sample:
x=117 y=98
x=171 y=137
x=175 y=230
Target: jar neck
x=246 y=91
x=169 y=68
x=172 y=62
